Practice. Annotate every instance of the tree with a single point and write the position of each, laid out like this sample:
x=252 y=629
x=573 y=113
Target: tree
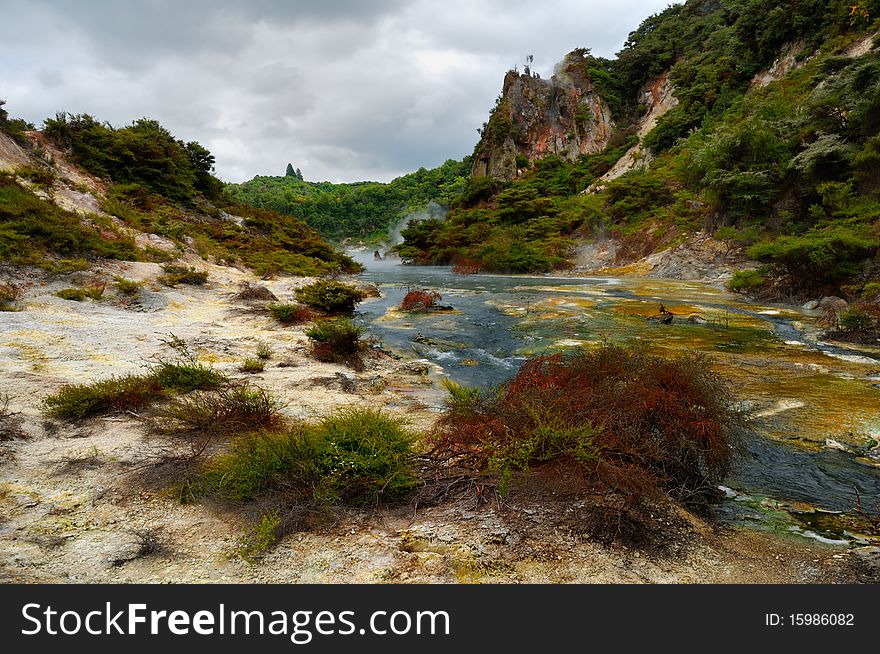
x=290 y=172
x=299 y=174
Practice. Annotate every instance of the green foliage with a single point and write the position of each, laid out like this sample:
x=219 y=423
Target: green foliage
x=14 y=127
x=230 y=410
x=291 y=314
x=330 y=296
x=78 y=401
x=174 y=275
x=518 y=227
x=855 y=319
x=158 y=181
x=260 y=537
x=141 y=153
x=264 y=351
x=81 y=293
x=337 y=341
x=180 y=374
x=461 y=400
x=361 y=209
x=252 y=366
x=34 y=231
x=747 y=280
x=127 y=286
x=354 y=456
x=821 y=255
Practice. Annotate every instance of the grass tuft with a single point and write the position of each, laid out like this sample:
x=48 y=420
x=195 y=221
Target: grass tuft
x=80 y=294
x=127 y=286
x=264 y=351
x=252 y=366
x=174 y=275
x=291 y=314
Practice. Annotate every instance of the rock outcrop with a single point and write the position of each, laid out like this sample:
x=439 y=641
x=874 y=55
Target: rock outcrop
x=657 y=96
x=535 y=118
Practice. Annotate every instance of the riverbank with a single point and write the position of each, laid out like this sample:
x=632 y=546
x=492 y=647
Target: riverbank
x=77 y=505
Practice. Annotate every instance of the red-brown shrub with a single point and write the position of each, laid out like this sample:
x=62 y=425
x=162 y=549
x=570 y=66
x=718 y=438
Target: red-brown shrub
x=639 y=426
x=466 y=266
x=419 y=300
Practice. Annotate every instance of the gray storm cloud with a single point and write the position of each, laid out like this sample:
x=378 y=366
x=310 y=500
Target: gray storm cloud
x=347 y=89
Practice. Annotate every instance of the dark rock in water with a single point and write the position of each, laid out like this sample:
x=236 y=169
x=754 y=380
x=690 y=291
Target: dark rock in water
x=423 y=340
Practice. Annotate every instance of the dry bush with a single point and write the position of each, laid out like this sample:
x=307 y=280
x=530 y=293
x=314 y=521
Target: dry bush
x=9 y=295
x=10 y=423
x=250 y=292
x=419 y=300
x=228 y=411
x=639 y=428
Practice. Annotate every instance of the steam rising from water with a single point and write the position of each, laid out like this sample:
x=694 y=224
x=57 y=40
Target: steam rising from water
x=433 y=210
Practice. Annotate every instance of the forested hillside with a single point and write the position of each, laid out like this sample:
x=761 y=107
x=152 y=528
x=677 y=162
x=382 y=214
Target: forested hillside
x=361 y=210
x=772 y=144
x=139 y=181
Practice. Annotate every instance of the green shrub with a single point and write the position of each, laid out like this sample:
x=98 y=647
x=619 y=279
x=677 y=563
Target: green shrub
x=36 y=232
x=175 y=275
x=330 y=296
x=185 y=376
x=252 y=366
x=184 y=373
x=40 y=175
x=127 y=286
x=291 y=314
x=356 y=456
x=747 y=280
x=855 y=319
x=80 y=294
x=337 y=341
x=821 y=255
x=461 y=400
x=78 y=401
x=260 y=537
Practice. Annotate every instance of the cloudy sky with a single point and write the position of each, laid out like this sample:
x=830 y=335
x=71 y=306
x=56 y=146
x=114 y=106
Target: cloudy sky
x=344 y=89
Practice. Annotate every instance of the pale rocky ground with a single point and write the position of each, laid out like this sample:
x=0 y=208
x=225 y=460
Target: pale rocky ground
x=699 y=258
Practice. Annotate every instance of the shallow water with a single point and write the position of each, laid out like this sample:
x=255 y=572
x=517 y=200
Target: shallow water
x=801 y=391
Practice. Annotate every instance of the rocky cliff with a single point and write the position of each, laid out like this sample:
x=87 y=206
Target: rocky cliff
x=537 y=117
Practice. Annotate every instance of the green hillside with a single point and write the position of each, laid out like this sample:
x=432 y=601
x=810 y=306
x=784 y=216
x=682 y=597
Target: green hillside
x=155 y=184
x=788 y=172
x=361 y=210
